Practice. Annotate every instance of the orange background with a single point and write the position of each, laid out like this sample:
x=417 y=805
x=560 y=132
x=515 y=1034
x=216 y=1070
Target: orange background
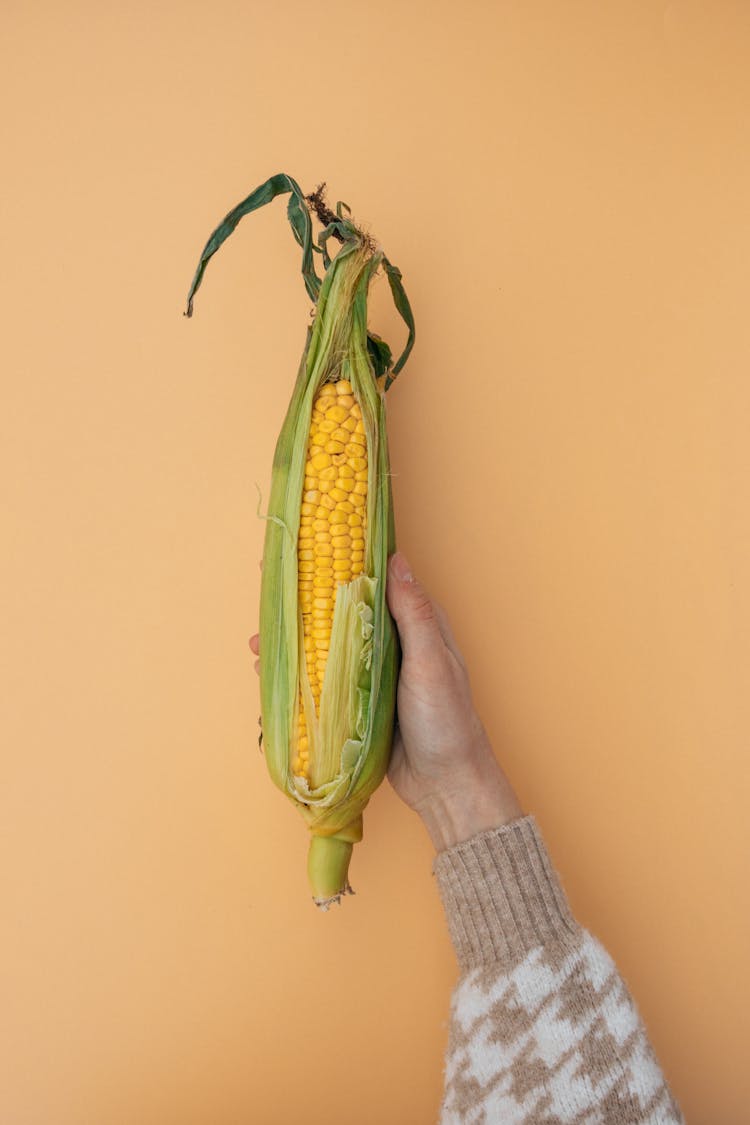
x=565 y=187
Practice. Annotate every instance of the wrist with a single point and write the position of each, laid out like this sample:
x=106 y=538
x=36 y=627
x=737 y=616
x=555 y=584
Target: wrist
x=471 y=804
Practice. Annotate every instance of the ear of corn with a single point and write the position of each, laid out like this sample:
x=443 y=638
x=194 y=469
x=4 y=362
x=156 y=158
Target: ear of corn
x=329 y=653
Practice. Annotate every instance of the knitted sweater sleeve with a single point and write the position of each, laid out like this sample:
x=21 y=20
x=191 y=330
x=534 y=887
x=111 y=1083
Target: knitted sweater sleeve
x=543 y=1030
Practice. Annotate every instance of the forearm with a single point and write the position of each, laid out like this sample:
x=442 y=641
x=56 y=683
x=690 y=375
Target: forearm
x=542 y=1024
x=479 y=800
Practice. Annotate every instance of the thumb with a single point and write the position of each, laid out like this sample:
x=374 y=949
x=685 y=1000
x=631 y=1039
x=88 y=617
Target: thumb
x=412 y=608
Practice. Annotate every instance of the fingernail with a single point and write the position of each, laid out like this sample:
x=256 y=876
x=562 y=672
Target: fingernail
x=401 y=569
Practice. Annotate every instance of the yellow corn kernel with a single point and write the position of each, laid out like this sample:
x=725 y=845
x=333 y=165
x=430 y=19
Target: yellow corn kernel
x=330 y=548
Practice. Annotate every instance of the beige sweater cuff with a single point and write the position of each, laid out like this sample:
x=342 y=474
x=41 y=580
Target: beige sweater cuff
x=502 y=896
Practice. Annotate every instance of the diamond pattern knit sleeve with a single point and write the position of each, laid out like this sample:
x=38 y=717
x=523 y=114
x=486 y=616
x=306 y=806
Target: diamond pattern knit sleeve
x=543 y=1029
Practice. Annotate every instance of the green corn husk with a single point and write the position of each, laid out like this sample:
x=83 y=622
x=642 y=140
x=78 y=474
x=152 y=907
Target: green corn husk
x=350 y=739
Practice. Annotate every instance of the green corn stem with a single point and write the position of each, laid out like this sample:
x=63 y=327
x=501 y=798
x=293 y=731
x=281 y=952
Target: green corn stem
x=328 y=863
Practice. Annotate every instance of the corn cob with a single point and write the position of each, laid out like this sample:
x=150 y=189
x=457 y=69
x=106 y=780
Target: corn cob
x=333 y=525
x=329 y=653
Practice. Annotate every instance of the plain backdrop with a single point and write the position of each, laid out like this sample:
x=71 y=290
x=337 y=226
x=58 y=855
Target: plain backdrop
x=565 y=187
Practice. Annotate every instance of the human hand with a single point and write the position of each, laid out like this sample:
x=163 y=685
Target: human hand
x=442 y=764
